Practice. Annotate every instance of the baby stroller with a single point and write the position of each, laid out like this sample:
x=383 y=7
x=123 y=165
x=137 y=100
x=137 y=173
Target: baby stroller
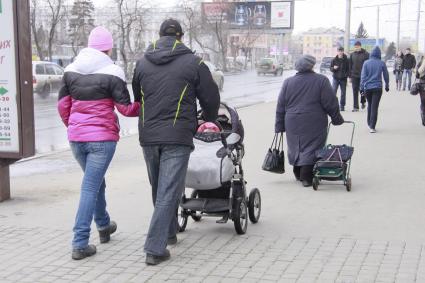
x=216 y=176
x=334 y=162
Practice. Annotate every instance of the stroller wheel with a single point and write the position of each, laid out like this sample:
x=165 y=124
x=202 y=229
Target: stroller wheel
x=315 y=183
x=182 y=216
x=254 y=205
x=240 y=216
x=195 y=217
x=348 y=184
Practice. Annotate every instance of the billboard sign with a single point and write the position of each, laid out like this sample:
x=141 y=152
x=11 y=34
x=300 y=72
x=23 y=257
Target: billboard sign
x=9 y=125
x=253 y=15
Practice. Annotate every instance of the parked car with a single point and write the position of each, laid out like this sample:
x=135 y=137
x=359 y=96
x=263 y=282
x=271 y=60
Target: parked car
x=269 y=66
x=216 y=73
x=47 y=77
x=325 y=66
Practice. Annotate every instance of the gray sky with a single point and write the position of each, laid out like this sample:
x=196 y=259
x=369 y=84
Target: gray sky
x=327 y=13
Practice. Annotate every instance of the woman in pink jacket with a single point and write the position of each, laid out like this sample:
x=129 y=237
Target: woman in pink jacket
x=92 y=88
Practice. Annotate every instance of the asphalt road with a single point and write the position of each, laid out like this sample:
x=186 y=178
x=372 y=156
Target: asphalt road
x=239 y=91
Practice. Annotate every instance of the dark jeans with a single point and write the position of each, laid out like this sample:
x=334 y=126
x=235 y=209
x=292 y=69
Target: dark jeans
x=373 y=97
x=422 y=96
x=304 y=173
x=167 y=166
x=356 y=88
x=94 y=159
x=342 y=83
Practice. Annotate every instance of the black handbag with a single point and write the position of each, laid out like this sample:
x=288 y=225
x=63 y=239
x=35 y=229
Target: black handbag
x=275 y=157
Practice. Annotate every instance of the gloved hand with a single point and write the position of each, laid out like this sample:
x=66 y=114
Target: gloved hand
x=387 y=88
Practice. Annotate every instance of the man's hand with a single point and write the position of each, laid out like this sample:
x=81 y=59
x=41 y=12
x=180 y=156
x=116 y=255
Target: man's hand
x=387 y=88
x=362 y=92
x=336 y=67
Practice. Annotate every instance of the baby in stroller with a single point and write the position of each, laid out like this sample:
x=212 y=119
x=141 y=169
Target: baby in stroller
x=216 y=175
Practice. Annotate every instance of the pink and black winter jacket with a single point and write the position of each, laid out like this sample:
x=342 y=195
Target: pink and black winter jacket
x=92 y=87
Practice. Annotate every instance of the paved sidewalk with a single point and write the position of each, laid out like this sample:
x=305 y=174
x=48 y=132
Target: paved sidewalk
x=42 y=255
x=373 y=234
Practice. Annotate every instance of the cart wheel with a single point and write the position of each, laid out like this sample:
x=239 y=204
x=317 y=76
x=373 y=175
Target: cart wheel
x=240 y=216
x=254 y=205
x=195 y=217
x=182 y=216
x=315 y=183
x=348 y=184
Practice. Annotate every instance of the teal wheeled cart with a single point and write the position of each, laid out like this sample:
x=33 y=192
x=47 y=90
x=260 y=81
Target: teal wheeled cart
x=334 y=162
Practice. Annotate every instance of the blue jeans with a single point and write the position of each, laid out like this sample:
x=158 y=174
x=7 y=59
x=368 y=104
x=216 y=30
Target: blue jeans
x=342 y=83
x=167 y=166
x=373 y=97
x=407 y=75
x=94 y=159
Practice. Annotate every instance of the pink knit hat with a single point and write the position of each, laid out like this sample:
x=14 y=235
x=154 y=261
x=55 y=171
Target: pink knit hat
x=101 y=39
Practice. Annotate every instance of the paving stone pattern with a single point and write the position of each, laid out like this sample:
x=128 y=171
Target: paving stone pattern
x=41 y=255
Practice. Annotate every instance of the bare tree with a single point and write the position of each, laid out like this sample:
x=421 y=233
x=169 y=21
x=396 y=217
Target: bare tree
x=55 y=13
x=130 y=24
x=205 y=32
x=37 y=30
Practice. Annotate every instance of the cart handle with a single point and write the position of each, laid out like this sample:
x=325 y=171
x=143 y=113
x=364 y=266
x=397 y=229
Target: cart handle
x=345 y=122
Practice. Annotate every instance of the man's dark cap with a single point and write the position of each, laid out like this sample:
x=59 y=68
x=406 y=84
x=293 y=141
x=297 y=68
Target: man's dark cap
x=340 y=48
x=358 y=43
x=171 y=27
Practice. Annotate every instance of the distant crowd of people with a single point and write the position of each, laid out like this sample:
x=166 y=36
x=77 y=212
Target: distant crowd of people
x=307 y=99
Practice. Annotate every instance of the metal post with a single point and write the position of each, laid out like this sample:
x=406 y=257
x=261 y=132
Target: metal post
x=4 y=181
x=347 y=26
x=398 y=24
x=282 y=43
x=377 y=25
x=417 y=24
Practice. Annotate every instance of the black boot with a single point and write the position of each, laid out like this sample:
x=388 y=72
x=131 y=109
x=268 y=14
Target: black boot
x=78 y=254
x=105 y=233
x=157 y=259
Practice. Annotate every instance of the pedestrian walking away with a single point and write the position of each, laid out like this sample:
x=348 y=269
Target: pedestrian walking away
x=398 y=69
x=92 y=87
x=170 y=78
x=409 y=63
x=304 y=103
x=371 y=85
x=357 y=59
x=340 y=69
x=420 y=77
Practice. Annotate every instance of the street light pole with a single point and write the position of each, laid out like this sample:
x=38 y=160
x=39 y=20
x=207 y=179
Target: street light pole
x=347 y=26
x=377 y=26
x=398 y=24
x=417 y=24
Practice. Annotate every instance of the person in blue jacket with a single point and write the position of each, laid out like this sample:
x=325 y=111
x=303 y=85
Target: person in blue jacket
x=371 y=85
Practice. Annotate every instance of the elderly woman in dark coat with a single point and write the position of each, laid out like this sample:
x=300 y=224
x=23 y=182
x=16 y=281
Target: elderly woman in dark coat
x=304 y=104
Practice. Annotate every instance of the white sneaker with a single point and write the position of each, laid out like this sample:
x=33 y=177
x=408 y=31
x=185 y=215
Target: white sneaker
x=372 y=131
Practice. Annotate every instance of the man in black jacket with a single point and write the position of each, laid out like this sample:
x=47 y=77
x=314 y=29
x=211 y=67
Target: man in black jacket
x=409 y=63
x=357 y=59
x=170 y=79
x=340 y=68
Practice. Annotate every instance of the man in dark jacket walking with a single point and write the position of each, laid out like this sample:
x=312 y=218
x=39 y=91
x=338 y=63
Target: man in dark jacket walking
x=170 y=78
x=409 y=63
x=371 y=85
x=357 y=59
x=340 y=68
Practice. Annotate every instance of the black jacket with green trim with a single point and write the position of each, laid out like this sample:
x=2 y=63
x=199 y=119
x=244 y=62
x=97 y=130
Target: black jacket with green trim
x=170 y=78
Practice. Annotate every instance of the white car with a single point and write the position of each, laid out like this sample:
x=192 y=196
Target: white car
x=216 y=73
x=46 y=77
